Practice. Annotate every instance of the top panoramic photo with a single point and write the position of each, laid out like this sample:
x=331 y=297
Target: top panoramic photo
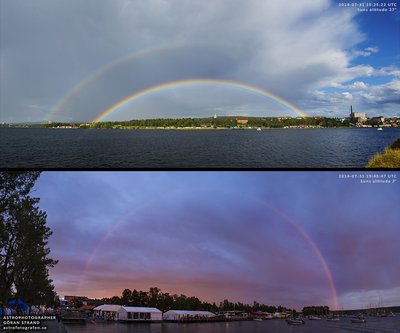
x=222 y=84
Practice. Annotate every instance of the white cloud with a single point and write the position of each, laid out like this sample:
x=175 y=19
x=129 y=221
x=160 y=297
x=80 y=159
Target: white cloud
x=355 y=85
x=387 y=71
x=347 y=95
x=366 y=52
x=359 y=85
x=376 y=100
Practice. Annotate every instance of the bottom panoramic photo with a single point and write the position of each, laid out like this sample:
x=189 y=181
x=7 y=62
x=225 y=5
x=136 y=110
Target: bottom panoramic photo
x=225 y=252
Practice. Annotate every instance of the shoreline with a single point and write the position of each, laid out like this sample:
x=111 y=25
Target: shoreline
x=189 y=128
x=389 y=158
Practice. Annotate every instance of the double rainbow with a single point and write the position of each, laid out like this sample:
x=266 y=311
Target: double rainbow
x=132 y=57
x=296 y=227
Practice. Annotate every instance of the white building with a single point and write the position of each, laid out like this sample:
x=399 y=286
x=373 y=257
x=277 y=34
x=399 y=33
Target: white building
x=357 y=116
x=186 y=314
x=130 y=313
x=107 y=311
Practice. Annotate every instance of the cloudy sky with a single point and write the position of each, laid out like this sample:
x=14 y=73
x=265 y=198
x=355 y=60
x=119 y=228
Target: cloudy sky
x=289 y=238
x=73 y=59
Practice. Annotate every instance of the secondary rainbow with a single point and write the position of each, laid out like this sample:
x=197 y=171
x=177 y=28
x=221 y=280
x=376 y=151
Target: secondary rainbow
x=197 y=82
x=132 y=57
x=90 y=79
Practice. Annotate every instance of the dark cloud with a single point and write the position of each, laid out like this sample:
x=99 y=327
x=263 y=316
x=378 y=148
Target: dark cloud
x=48 y=47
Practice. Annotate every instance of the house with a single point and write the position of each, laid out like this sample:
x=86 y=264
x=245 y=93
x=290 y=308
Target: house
x=242 y=121
x=73 y=301
x=130 y=313
x=187 y=314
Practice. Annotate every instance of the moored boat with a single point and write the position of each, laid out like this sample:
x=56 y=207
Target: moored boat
x=358 y=320
x=295 y=321
x=314 y=318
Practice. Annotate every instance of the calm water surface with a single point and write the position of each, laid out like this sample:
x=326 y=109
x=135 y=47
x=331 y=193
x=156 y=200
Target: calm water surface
x=383 y=325
x=278 y=148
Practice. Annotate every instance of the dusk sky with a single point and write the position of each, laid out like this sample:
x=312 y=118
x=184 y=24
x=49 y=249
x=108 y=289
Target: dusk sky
x=281 y=238
x=71 y=60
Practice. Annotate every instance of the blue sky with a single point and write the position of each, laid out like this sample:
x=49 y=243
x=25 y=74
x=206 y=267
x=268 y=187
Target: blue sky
x=273 y=237
x=315 y=54
x=381 y=44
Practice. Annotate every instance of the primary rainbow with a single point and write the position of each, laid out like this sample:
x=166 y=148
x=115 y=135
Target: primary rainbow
x=263 y=203
x=194 y=82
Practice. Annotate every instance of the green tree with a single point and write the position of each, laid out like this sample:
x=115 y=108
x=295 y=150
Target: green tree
x=154 y=296
x=126 y=297
x=24 y=260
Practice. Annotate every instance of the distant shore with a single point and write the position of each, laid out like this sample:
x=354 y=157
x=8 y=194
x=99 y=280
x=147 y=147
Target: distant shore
x=219 y=123
x=186 y=128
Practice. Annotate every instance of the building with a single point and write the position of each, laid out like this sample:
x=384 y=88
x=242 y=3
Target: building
x=88 y=309
x=379 y=119
x=130 y=313
x=73 y=301
x=357 y=117
x=107 y=311
x=232 y=314
x=242 y=121
x=186 y=314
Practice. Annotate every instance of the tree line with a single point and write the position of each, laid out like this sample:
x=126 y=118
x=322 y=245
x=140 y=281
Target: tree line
x=211 y=122
x=165 y=301
x=316 y=310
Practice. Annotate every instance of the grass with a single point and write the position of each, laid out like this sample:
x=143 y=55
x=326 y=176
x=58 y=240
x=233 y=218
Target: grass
x=390 y=158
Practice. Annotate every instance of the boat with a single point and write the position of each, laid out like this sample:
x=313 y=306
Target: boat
x=313 y=318
x=259 y=129
x=358 y=320
x=257 y=319
x=333 y=319
x=295 y=321
x=379 y=128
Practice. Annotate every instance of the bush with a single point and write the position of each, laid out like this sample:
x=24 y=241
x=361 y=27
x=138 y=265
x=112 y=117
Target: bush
x=390 y=158
x=396 y=144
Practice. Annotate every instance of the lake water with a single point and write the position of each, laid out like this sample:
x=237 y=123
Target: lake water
x=275 y=148
x=378 y=325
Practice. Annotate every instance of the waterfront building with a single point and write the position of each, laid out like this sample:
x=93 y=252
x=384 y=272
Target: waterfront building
x=107 y=311
x=187 y=314
x=358 y=117
x=130 y=313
